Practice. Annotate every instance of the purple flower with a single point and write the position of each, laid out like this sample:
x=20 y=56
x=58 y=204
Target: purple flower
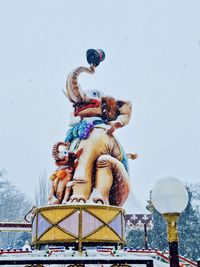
x=81 y=136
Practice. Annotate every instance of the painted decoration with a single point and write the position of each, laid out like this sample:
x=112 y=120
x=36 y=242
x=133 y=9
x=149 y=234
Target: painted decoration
x=44 y=225
x=78 y=223
x=70 y=224
x=92 y=166
x=89 y=223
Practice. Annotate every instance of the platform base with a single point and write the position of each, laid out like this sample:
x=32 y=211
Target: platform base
x=78 y=225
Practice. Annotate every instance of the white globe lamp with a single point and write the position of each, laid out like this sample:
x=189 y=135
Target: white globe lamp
x=170 y=198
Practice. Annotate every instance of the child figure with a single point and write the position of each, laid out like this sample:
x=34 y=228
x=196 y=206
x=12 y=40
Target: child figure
x=67 y=162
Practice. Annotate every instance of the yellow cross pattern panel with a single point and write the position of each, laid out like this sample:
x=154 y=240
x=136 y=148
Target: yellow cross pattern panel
x=104 y=233
x=55 y=215
x=104 y=214
x=55 y=234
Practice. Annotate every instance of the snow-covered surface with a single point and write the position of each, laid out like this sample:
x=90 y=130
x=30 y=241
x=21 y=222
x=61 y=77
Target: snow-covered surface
x=102 y=256
x=70 y=255
x=156 y=263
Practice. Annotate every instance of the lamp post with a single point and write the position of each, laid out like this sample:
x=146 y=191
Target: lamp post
x=170 y=198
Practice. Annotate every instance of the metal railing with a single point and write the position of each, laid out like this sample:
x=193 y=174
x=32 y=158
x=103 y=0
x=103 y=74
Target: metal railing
x=79 y=261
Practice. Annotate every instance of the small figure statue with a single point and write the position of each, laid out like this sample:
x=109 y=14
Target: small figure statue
x=67 y=162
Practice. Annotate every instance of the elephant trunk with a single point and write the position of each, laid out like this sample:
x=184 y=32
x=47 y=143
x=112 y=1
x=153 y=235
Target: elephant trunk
x=74 y=92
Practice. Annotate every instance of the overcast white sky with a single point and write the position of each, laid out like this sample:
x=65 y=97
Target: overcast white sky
x=152 y=58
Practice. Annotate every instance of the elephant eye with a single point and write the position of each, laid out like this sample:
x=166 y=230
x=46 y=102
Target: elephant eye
x=94 y=94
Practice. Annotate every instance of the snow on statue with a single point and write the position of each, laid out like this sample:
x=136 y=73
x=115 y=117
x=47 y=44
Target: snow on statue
x=100 y=173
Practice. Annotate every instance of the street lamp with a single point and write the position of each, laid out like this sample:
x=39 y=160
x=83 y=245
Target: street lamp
x=170 y=198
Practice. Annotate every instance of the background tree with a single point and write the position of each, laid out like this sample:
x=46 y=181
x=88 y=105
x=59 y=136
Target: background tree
x=22 y=238
x=14 y=204
x=42 y=191
x=189 y=231
x=158 y=235
x=135 y=238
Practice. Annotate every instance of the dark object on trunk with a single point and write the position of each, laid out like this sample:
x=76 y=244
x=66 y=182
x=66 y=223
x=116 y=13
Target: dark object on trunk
x=95 y=57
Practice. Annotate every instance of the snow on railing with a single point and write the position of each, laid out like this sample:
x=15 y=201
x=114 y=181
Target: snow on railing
x=163 y=256
x=15 y=226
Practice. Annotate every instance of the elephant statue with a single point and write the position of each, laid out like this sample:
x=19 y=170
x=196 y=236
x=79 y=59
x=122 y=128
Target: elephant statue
x=101 y=175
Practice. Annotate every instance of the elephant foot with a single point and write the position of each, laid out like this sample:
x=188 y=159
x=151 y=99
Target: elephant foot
x=97 y=197
x=98 y=201
x=77 y=199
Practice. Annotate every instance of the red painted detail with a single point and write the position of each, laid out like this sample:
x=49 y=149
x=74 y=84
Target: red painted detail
x=187 y=260
x=94 y=103
x=100 y=54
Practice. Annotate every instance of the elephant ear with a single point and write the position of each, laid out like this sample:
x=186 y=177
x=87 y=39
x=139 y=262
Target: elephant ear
x=109 y=108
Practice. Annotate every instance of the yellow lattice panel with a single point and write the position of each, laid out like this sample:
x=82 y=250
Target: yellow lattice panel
x=55 y=215
x=104 y=233
x=55 y=234
x=55 y=223
x=104 y=214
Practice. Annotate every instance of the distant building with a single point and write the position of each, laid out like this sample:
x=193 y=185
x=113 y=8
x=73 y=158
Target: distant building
x=137 y=216
x=138 y=221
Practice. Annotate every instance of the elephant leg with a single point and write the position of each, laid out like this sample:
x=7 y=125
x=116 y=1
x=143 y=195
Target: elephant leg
x=81 y=190
x=82 y=178
x=104 y=179
x=112 y=180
